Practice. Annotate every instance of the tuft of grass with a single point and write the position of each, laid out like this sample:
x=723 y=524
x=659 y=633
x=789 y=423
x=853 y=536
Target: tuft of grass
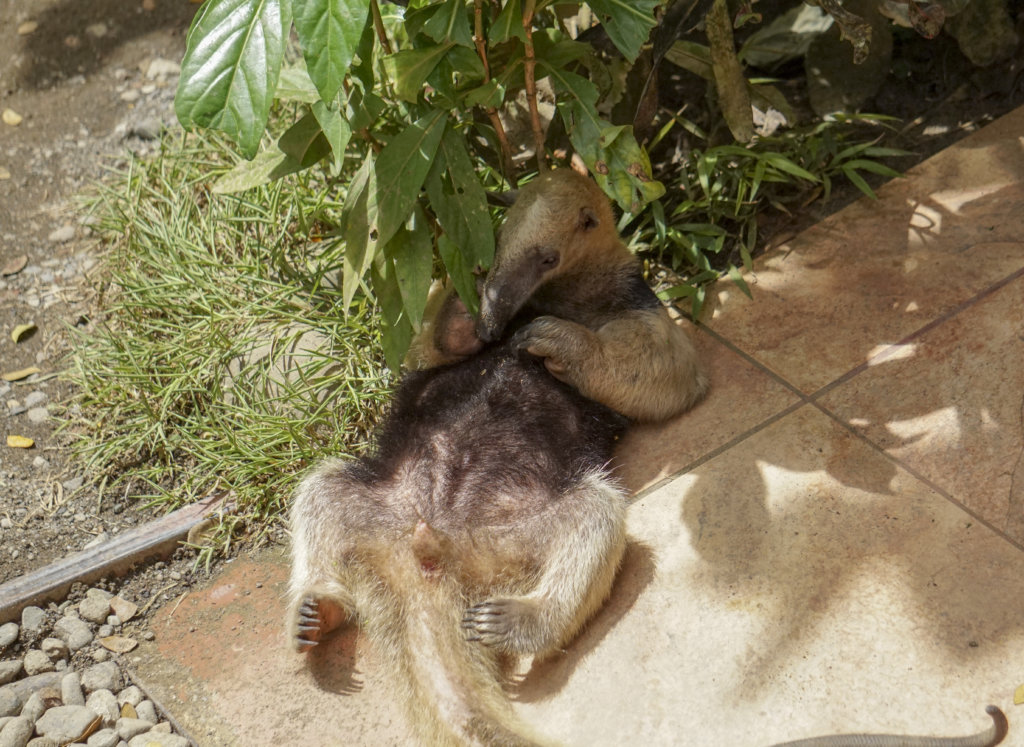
x=221 y=359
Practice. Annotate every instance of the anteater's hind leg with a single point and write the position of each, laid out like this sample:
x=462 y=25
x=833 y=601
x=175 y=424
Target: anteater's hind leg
x=587 y=527
x=331 y=514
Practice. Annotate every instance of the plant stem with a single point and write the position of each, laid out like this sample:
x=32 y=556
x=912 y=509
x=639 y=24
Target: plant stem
x=492 y=113
x=529 y=71
x=378 y=25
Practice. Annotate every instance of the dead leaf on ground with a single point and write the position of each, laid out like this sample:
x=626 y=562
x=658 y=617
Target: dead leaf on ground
x=1018 y=695
x=27 y=28
x=22 y=331
x=119 y=644
x=20 y=442
x=15 y=266
x=21 y=373
x=11 y=117
x=4 y=173
x=128 y=711
x=124 y=609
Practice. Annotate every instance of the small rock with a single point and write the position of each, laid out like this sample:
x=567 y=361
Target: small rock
x=132 y=727
x=74 y=632
x=147 y=129
x=151 y=739
x=147 y=711
x=103 y=676
x=36 y=662
x=131 y=95
x=164 y=727
x=73 y=484
x=35 y=398
x=131 y=694
x=8 y=634
x=96 y=606
x=10 y=703
x=104 y=738
x=100 y=655
x=104 y=704
x=148 y=635
x=63 y=234
x=161 y=67
x=42 y=742
x=16 y=732
x=38 y=415
x=54 y=648
x=114 y=621
x=71 y=689
x=32 y=620
x=34 y=707
x=96 y=30
x=9 y=669
x=66 y=723
x=96 y=541
x=105 y=631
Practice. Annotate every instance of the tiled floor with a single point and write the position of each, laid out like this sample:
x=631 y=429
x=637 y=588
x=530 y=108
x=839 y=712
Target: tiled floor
x=832 y=541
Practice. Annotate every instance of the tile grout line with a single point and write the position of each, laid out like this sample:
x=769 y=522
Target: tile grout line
x=913 y=472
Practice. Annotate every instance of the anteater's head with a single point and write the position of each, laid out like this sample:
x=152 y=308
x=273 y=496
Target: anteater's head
x=559 y=222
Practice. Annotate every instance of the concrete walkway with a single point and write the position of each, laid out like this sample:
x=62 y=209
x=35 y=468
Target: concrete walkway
x=831 y=542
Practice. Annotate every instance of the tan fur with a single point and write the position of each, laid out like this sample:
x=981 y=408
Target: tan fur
x=588 y=329
x=446 y=629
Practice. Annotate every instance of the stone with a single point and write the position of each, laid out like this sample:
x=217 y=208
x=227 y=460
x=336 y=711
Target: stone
x=147 y=711
x=70 y=486
x=131 y=694
x=9 y=669
x=74 y=632
x=147 y=129
x=10 y=702
x=16 y=732
x=150 y=739
x=132 y=727
x=62 y=235
x=103 y=676
x=65 y=723
x=104 y=738
x=96 y=606
x=71 y=689
x=36 y=662
x=35 y=398
x=164 y=727
x=38 y=414
x=8 y=634
x=105 y=631
x=54 y=648
x=32 y=620
x=104 y=704
x=161 y=67
x=42 y=742
x=34 y=707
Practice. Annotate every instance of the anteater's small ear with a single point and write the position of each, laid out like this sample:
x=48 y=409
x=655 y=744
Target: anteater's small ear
x=588 y=219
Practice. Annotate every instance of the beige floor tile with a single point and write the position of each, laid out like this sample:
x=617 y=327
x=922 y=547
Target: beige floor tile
x=877 y=271
x=797 y=584
x=742 y=396
x=950 y=405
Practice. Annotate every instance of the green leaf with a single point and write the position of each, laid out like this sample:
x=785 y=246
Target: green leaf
x=489 y=95
x=784 y=164
x=450 y=23
x=508 y=24
x=737 y=278
x=620 y=166
x=304 y=141
x=693 y=57
x=229 y=73
x=397 y=331
x=360 y=215
x=294 y=84
x=874 y=167
x=409 y=68
x=411 y=255
x=335 y=129
x=460 y=271
x=628 y=23
x=329 y=31
x=267 y=166
x=733 y=97
x=858 y=181
x=401 y=168
x=460 y=204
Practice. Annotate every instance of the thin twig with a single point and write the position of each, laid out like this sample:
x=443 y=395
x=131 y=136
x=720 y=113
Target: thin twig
x=492 y=113
x=378 y=25
x=529 y=68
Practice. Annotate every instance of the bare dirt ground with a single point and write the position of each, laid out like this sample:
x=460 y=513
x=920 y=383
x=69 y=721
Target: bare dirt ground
x=90 y=82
